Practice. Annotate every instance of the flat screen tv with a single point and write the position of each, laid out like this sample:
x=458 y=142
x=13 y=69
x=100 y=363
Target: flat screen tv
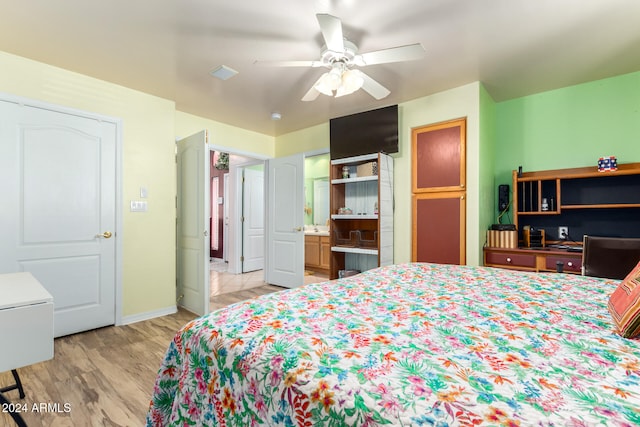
x=364 y=133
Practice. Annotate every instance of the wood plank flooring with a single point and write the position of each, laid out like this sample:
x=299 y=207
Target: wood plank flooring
x=104 y=377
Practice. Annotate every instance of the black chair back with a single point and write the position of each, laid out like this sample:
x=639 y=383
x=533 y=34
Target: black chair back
x=609 y=257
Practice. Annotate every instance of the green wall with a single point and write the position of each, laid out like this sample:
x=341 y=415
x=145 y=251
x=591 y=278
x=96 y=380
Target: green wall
x=488 y=192
x=569 y=127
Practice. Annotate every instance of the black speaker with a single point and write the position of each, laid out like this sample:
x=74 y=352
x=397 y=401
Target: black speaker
x=503 y=197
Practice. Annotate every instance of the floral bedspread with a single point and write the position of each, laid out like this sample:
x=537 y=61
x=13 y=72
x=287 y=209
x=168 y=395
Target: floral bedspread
x=407 y=345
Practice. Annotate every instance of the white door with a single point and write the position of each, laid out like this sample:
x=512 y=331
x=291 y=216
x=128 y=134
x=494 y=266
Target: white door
x=253 y=220
x=58 y=178
x=285 y=221
x=192 y=268
x=225 y=209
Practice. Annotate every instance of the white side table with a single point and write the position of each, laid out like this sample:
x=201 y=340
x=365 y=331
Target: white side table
x=26 y=326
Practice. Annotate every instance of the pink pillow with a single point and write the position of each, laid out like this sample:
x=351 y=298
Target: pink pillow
x=624 y=304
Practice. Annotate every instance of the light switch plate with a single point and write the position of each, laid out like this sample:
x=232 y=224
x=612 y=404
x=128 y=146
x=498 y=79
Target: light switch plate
x=138 y=206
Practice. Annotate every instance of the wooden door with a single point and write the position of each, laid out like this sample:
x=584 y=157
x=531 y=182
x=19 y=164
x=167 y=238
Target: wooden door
x=439 y=228
x=439 y=192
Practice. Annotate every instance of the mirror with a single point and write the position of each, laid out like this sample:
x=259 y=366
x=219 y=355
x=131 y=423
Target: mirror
x=321 y=201
x=316 y=190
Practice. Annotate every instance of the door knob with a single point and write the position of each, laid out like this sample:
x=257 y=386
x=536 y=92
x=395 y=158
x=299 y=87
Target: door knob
x=105 y=235
x=297 y=229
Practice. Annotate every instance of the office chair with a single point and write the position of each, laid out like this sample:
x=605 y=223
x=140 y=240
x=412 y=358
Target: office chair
x=609 y=257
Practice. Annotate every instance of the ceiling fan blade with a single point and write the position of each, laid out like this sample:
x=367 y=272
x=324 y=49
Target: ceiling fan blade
x=331 y=28
x=394 y=54
x=289 y=63
x=374 y=88
x=312 y=93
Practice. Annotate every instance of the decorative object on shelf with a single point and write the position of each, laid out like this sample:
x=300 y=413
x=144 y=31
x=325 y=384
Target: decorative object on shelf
x=345 y=211
x=345 y=172
x=502 y=238
x=607 y=164
x=223 y=161
x=545 y=204
x=367 y=169
x=533 y=237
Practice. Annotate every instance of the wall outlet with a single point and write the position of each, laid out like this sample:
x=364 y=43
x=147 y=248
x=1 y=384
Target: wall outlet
x=563 y=233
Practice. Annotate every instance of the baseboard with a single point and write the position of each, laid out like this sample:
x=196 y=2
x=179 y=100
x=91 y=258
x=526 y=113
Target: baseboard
x=126 y=320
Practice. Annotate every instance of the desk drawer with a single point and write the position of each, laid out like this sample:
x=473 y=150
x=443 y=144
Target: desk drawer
x=571 y=264
x=26 y=336
x=511 y=259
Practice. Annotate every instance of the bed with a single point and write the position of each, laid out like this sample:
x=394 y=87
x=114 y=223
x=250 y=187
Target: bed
x=408 y=345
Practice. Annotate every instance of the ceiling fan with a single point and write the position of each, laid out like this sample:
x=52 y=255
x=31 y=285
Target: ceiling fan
x=341 y=57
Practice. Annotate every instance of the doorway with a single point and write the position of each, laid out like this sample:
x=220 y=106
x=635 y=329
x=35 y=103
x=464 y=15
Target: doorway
x=227 y=273
x=236 y=210
x=219 y=167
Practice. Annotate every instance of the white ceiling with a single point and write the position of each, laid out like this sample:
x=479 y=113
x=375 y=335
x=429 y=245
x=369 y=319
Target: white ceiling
x=168 y=47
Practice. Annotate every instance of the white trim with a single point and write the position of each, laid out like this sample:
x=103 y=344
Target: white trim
x=230 y=150
x=119 y=222
x=134 y=318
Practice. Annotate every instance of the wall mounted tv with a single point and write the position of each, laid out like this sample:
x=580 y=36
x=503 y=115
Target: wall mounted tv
x=364 y=133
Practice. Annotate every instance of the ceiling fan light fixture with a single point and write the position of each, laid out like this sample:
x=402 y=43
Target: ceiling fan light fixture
x=324 y=85
x=352 y=80
x=330 y=81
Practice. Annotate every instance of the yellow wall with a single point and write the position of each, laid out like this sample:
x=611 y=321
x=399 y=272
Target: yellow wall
x=148 y=270
x=459 y=102
x=303 y=141
x=224 y=135
x=150 y=126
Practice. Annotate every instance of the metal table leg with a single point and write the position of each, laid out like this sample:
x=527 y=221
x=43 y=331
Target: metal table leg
x=16 y=386
x=17 y=418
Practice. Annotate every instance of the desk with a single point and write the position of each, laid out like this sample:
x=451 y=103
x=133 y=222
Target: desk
x=26 y=325
x=532 y=259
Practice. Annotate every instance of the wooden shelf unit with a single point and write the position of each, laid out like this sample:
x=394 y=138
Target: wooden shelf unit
x=576 y=191
x=362 y=239
x=585 y=200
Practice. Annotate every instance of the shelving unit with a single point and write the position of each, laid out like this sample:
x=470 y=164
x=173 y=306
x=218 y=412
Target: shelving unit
x=588 y=201
x=363 y=238
x=582 y=199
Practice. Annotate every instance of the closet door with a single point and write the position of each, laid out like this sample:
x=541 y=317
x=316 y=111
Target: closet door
x=439 y=193
x=439 y=228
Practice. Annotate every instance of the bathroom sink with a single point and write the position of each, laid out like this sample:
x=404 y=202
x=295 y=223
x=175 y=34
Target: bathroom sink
x=316 y=233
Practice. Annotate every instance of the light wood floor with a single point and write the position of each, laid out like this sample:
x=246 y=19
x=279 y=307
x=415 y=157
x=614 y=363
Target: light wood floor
x=106 y=376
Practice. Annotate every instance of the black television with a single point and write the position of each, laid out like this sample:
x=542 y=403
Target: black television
x=369 y=132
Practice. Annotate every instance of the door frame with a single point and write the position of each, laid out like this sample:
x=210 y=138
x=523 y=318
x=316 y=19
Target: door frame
x=233 y=237
x=118 y=205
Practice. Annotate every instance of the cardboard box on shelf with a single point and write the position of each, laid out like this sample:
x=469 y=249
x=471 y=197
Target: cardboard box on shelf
x=367 y=169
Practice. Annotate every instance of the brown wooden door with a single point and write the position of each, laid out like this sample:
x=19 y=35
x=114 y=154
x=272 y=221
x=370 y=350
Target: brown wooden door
x=439 y=228
x=439 y=192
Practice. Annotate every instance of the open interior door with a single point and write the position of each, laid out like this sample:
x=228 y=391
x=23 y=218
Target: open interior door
x=193 y=193
x=285 y=221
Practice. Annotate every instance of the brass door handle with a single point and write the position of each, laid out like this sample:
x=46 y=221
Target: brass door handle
x=104 y=235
